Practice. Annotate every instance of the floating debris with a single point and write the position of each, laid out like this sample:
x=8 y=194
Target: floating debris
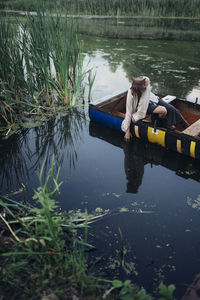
x=116 y=195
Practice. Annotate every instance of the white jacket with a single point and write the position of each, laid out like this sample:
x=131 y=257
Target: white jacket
x=137 y=113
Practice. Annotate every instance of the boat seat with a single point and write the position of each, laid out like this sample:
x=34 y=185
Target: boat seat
x=194 y=129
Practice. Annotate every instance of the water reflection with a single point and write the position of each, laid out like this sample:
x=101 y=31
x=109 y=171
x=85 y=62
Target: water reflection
x=12 y=161
x=173 y=66
x=23 y=154
x=58 y=137
x=163 y=244
x=137 y=154
x=133 y=165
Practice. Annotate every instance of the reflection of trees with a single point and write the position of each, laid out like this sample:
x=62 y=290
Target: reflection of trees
x=173 y=65
x=24 y=153
x=138 y=154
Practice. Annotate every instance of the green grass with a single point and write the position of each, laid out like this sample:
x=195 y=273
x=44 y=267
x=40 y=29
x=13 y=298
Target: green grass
x=41 y=67
x=44 y=252
x=41 y=252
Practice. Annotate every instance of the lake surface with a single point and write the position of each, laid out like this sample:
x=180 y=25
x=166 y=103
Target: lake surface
x=151 y=196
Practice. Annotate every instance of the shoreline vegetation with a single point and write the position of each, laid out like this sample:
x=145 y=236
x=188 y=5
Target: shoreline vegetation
x=24 y=13
x=41 y=70
x=44 y=252
x=163 y=8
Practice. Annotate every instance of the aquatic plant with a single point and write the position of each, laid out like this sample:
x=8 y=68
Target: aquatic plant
x=53 y=58
x=128 y=291
x=91 y=79
x=41 y=67
x=11 y=73
x=44 y=249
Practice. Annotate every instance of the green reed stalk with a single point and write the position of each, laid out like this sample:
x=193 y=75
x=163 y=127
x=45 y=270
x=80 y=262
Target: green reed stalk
x=41 y=65
x=91 y=79
x=54 y=56
x=11 y=71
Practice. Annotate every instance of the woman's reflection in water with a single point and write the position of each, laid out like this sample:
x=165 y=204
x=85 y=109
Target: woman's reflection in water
x=134 y=161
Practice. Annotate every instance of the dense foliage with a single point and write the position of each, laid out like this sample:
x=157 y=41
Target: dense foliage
x=180 y=8
x=40 y=68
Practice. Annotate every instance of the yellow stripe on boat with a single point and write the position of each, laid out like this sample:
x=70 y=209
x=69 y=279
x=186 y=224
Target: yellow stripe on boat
x=136 y=131
x=192 y=148
x=156 y=137
x=178 y=146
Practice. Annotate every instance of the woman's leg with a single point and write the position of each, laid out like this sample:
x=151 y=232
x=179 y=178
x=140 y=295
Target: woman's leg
x=158 y=113
x=156 y=110
x=161 y=111
x=173 y=115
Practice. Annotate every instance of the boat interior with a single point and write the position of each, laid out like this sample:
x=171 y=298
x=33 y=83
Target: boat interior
x=190 y=112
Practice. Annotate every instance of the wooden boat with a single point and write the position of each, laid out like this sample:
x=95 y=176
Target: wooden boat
x=111 y=112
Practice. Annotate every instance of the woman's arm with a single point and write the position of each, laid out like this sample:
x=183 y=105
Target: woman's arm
x=143 y=103
x=129 y=111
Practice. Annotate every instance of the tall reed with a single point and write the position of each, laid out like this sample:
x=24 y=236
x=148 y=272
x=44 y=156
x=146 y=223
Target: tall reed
x=41 y=66
x=53 y=57
x=135 y=7
x=113 y=7
x=11 y=72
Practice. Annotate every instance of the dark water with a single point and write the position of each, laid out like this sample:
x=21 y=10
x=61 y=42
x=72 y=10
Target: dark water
x=151 y=194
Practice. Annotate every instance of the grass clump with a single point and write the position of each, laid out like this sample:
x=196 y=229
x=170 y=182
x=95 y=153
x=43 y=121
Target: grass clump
x=43 y=255
x=41 y=67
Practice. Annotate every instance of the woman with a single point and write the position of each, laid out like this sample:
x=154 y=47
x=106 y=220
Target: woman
x=141 y=102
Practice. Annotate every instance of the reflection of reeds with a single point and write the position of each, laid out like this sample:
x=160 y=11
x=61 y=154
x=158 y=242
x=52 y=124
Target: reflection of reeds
x=23 y=153
x=12 y=161
x=58 y=137
x=41 y=65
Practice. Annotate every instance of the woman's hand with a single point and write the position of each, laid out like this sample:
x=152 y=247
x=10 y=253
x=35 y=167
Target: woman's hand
x=128 y=135
x=133 y=120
